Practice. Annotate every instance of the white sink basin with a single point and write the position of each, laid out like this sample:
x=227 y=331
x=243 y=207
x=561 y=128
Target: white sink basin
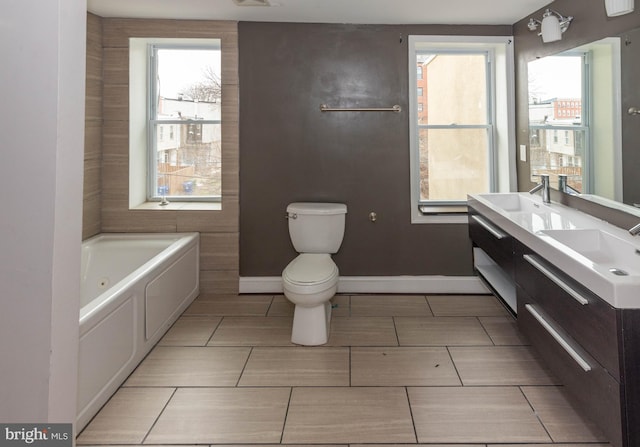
x=620 y=257
x=540 y=221
x=516 y=203
x=529 y=212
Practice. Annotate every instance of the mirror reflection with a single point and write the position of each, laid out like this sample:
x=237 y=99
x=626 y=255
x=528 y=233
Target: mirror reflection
x=574 y=120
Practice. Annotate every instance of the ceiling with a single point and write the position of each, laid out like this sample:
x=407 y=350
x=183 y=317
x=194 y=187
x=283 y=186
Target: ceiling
x=450 y=12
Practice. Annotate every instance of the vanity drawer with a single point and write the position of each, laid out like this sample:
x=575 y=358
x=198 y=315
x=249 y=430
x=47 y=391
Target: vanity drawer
x=584 y=316
x=591 y=387
x=495 y=242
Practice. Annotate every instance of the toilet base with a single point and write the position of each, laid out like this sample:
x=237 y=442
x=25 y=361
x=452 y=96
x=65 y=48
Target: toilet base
x=311 y=325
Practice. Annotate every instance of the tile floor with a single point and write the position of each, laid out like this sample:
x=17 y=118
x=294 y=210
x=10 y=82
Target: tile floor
x=436 y=370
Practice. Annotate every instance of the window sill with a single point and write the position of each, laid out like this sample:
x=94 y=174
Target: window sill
x=180 y=206
x=440 y=219
x=439 y=214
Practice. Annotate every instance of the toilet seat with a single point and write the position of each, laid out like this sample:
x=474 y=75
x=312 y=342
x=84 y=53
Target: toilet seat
x=310 y=273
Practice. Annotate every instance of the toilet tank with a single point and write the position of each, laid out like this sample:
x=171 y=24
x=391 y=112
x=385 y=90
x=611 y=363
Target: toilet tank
x=316 y=227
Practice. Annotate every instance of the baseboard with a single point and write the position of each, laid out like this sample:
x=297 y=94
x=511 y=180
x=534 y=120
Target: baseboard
x=378 y=284
x=260 y=284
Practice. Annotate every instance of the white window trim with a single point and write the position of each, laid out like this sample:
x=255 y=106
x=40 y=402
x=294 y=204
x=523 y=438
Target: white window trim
x=138 y=123
x=504 y=110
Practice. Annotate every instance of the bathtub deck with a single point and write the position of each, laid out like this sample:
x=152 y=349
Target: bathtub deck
x=397 y=370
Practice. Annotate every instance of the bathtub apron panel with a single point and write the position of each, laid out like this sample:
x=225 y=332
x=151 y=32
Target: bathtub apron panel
x=168 y=293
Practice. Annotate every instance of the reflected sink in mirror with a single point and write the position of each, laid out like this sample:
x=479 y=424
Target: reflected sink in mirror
x=601 y=248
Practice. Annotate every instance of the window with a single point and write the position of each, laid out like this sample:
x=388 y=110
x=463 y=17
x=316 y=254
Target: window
x=174 y=84
x=461 y=136
x=186 y=93
x=420 y=95
x=419 y=74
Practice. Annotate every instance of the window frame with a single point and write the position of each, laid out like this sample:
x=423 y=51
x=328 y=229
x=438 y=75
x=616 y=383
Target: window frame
x=502 y=134
x=152 y=118
x=488 y=126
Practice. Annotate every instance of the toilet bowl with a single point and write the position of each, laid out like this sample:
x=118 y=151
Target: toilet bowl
x=309 y=282
x=311 y=279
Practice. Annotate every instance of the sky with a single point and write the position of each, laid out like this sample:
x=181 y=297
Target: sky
x=556 y=76
x=179 y=68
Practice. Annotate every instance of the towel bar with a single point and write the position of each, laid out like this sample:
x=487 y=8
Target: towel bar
x=326 y=108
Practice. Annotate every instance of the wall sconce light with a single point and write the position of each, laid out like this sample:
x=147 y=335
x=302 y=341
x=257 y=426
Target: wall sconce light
x=552 y=25
x=618 y=7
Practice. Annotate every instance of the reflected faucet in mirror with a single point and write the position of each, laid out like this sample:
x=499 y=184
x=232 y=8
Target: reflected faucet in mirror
x=564 y=186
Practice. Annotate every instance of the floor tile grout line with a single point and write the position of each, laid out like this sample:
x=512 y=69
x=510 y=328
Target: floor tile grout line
x=485 y=330
x=395 y=330
x=244 y=367
x=413 y=420
x=286 y=415
x=266 y=314
x=164 y=407
x=535 y=412
x=214 y=330
x=426 y=298
x=455 y=367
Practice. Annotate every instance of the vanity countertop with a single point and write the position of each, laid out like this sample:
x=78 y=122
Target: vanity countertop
x=601 y=256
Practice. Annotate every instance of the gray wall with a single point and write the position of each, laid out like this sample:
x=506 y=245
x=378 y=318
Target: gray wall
x=290 y=151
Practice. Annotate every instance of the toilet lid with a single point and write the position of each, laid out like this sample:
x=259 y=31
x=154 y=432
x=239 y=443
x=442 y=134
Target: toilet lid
x=309 y=268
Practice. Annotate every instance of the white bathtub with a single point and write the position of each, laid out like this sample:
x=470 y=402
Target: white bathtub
x=134 y=286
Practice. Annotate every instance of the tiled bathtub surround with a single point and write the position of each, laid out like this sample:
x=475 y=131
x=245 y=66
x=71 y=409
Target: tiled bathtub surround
x=106 y=189
x=436 y=370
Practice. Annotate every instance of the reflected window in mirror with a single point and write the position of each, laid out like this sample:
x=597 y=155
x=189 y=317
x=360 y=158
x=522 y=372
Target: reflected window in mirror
x=574 y=120
x=558 y=118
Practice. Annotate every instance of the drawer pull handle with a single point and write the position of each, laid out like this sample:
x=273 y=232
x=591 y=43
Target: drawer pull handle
x=557 y=337
x=490 y=228
x=553 y=277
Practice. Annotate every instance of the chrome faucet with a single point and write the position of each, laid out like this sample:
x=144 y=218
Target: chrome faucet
x=544 y=186
x=634 y=231
x=564 y=186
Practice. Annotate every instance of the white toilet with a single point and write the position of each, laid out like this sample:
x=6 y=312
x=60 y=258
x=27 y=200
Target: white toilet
x=311 y=279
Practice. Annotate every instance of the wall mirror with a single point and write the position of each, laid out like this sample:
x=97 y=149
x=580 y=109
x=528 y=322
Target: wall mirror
x=574 y=118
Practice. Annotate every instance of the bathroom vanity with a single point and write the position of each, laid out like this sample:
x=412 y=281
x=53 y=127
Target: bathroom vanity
x=577 y=298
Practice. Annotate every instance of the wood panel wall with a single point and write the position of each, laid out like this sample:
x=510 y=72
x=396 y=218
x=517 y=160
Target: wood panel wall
x=92 y=192
x=219 y=238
